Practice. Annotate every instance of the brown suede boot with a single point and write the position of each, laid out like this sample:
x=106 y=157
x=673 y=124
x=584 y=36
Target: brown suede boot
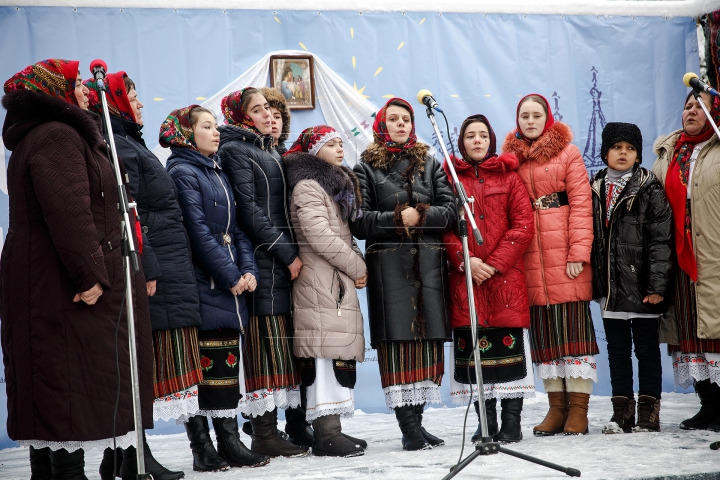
x=648 y=414
x=623 y=419
x=577 y=419
x=554 y=421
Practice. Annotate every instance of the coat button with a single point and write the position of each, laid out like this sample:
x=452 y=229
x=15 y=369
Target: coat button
x=482 y=180
x=482 y=216
x=485 y=322
x=417 y=284
x=413 y=251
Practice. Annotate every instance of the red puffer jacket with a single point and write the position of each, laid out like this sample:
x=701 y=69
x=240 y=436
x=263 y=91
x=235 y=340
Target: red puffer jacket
x=505 y=219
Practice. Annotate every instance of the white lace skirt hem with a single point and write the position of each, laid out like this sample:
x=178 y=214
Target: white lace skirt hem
x=695 y=366
x=124 y=441
x=326 y=396
x=417 y=393
x=569 y=367
x=266 y=400
x=183 y=404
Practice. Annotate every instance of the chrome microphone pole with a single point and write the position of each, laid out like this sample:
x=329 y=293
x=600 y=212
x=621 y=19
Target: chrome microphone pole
x=486 y=446
x=696 y=94
x=130 y=265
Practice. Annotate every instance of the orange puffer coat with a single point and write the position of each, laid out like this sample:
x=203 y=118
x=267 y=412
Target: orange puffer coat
x=564 y=234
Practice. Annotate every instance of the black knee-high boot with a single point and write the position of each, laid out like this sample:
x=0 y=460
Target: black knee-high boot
x=510 y=430
x=412 y=438
x=68 y=465
x=40 y=468
x=431 y=439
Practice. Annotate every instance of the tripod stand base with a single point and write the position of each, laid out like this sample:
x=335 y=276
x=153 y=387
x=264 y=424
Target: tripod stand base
x=490 y=448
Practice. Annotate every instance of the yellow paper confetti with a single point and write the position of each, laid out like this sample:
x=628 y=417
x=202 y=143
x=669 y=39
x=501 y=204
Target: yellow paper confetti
x=352 y=32
x=277 y=19
x=389 y=96
x=158 y=99
x=303 y=46
x=378 y=71
x=402 y=44
x=200 y=98
x=422 y=21
x=487 y=94
x=353 y=62
x=360 y=91
x=454 y=95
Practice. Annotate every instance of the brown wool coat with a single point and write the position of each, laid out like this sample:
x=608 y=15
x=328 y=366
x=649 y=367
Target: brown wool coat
x=324 y=326
x=704 y=200
x=59 y=356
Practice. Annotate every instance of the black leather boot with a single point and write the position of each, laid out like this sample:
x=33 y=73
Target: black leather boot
x=510 y=430
x=40 y=468
x=329 y=440
x=412 y=438
x=110 y=464
x=68 y=465
x=709 y=394
x=298 y=430
x=128 y=470
x=491 y=417
x=431 y=439
x=205 y=457
x=231 y=448
x=247 y=426
x=266 y=441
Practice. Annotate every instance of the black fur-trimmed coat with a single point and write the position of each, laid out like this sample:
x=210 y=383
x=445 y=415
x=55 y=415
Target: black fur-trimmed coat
x=326 y=312
x=407 y=267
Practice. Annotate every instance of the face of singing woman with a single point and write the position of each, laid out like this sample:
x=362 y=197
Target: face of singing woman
x=531 y=119
x=399 y=123
x=207 y=137
x=277 y=123
x=693 y=117
x=136 y=105
x=476 y=141
x=81 y=93
x=332 y=152
x=259 y=112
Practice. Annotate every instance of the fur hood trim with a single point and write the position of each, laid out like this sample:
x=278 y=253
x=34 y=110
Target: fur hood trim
x=377 y=155
x=333 y=179
x=543 y=149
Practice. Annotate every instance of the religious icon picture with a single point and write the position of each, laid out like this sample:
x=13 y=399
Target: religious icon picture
x=294 y=77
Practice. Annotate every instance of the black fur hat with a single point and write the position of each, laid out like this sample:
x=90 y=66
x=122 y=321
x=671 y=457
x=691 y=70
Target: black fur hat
x=615 y=132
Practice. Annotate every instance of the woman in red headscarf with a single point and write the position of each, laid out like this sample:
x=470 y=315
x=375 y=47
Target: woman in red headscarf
x=63 y=280
x=557 y=271
x=688 y=164
x=407 y=205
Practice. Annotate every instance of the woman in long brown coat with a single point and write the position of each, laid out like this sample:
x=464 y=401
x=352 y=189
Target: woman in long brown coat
x=63 y=280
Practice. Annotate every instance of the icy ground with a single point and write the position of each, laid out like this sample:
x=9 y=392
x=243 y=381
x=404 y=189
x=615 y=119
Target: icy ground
x=673 y=453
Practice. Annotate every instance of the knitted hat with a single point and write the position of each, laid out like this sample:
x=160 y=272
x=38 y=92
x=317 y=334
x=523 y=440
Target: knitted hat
x=615 y=132
x=312 y=139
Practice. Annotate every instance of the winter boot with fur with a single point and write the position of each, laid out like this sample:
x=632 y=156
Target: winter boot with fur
x=266 y=441
x=128 y=470
x=329 y=440
x=648 y=414
x=510 y=430
x=412 y=438
x=68 y=465
x=554 y=421
x=431 y=439
x=709 y=394
x=110 y=461
x=40 y=468
x=491 y=417
x=231 y=448
x=578 y=399
x=205 y=457
x=623 y=419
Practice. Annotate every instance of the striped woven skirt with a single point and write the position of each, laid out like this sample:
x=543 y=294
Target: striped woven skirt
x=686 y=319
x=561 y=330
x=269 y=359
x=177 y=360
x=220 y=362
x=402 y=363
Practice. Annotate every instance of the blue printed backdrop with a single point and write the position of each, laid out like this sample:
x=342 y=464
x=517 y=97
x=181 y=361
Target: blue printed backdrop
x=592 y=69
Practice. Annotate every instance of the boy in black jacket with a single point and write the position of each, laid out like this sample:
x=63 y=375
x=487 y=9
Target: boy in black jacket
x=632 y=267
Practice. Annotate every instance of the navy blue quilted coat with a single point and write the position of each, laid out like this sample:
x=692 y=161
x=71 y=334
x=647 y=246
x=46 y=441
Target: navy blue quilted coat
x=208 y=207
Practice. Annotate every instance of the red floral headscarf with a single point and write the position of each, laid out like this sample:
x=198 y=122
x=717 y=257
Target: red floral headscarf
x=548 y=123
x=312 y=139
x=177 y=131
x=380 y=130
x=491 y=151
x=231 y=107
x=676 y=181
x=54 y=77
x=118 y=101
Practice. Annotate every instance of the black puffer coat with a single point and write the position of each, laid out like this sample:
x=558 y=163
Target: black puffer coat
x=256 y=173
x=637 y=244
x=166 y=248
x=407 y=270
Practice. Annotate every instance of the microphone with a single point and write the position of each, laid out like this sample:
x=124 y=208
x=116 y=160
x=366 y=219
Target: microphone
x=691 y=80
x=98 y=68
x=425 y=97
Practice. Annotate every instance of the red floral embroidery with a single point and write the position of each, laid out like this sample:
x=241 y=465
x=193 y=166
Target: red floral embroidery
x=509 y=341
x=205 y=363
x=231 y=360
x=484 y=345
x=461 y=344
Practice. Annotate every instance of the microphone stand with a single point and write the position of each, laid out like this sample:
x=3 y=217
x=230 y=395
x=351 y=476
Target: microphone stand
x=696 y=94
x=486 y=445
x=130 y=265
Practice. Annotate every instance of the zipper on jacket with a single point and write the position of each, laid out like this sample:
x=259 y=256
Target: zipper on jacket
x=287 y=219
x=539 y=240
x=607 y=300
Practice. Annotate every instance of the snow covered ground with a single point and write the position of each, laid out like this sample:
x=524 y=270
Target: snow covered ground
x=673 y=453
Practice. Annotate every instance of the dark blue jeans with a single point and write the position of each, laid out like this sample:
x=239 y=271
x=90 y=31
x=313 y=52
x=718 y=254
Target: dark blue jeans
x=621 y=334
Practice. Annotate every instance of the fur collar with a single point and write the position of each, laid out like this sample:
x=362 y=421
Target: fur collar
x=28 y=109
x=336 y=181
x=377 y=155
x=543 y=149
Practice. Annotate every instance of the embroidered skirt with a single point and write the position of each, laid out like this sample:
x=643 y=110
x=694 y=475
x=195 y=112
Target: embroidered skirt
x=403 y=363
x=686 y=319
x=502 y=352
x=562 y=330
x=177 y=373
x=221 y=364
x=330 y=391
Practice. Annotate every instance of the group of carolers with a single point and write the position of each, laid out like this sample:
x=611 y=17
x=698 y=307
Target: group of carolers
x=246 y=301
